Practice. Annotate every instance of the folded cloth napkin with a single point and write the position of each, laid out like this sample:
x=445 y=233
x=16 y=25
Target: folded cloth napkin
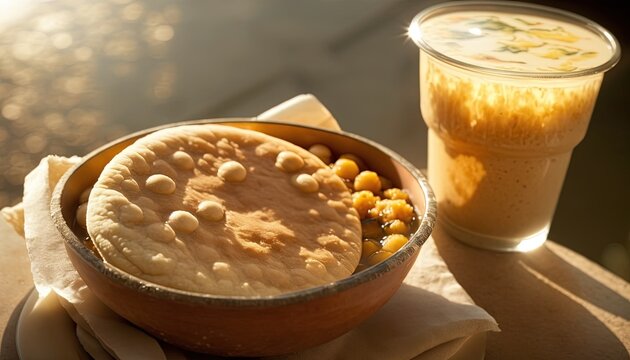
x=305 y=109
x=430 y=317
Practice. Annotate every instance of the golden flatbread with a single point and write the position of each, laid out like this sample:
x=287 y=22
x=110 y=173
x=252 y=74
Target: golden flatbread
x=225 y=211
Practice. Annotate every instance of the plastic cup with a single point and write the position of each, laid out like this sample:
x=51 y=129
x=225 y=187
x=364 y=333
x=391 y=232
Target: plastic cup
x=507 y=90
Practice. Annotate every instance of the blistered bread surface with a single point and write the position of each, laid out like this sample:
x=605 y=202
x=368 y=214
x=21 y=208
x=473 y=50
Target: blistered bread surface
x=225 y=211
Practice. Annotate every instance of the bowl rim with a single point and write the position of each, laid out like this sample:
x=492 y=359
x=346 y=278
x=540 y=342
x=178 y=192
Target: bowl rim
x=163 y=292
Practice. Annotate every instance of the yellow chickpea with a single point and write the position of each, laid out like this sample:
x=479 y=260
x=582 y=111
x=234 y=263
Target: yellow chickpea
x=367 y=180
x=389 y=210
x=363 y=201
x=369 y=248
x=346 y=169
x=394 y=242
x=373 y=213
x=395 y=194
x=396 y=227
x=378 y=256
x=357 y=160
x=371 y=230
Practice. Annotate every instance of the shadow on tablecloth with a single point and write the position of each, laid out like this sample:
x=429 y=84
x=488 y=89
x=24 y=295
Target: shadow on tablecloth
x=546 y=305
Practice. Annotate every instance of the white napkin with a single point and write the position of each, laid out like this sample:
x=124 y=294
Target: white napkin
x=430 y=317
x=53 y=271
x=305 y=109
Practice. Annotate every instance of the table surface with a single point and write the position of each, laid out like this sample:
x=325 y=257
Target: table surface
x=550 y=303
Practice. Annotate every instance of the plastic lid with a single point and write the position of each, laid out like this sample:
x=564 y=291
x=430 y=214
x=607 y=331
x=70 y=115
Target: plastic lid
x=514 y=39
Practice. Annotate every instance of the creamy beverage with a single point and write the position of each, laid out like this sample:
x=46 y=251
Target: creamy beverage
x=507 y=91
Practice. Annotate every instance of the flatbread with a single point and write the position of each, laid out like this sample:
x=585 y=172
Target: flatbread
x=226 y=211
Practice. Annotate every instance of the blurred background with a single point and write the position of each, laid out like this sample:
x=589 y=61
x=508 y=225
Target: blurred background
x=75 y=74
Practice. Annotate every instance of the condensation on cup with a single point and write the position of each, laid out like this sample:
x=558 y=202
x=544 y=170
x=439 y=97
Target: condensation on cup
x=507 y=90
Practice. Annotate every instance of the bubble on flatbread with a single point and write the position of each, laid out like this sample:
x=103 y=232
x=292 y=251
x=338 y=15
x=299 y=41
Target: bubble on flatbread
x=289 y=161
x=160 y=232
x=305 y=182
x=203 y=164
x=224 y=271
x=316 y=267
x=131 y=213
x=183 y=160
x=183 y=221
x=160 y=184
x=159 y=264
x=140 y=164
x=232 y=171
x=210 y=210
x=130 y=185
x=246 y=288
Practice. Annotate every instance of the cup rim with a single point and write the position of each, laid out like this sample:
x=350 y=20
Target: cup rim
x=567 y=16
x=162 y=292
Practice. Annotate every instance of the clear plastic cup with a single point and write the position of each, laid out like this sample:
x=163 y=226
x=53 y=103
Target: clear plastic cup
x=507 y=90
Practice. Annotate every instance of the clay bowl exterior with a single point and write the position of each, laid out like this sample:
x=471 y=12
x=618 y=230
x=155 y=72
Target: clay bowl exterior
x=241 y=326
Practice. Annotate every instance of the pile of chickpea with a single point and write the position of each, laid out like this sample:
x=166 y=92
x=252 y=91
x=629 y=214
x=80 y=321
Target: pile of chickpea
x=387 y=216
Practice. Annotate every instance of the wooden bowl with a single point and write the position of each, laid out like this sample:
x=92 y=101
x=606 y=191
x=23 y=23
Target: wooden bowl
x=242 y=326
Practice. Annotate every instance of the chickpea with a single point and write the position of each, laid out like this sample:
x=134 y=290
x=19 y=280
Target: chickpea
x=356 y=159
x=387 y=220
x=367 y=180
x=394 y=242
x=363 y=201
x=373 y=213
x=378 y=256
x=322 y=152
x=395 y=194
x=389 y=210
x=396 y=227
x=371 y=230
x=369 y=248
x=346 y=169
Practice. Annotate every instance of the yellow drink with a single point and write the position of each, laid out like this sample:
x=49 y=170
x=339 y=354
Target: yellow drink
x=507 y=91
